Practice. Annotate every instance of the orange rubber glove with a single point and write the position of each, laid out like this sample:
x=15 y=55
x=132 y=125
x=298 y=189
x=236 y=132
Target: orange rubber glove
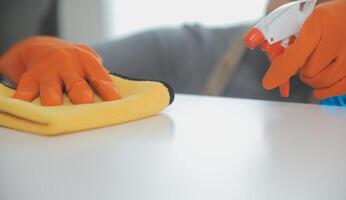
x=318 y=54
x=42 y=65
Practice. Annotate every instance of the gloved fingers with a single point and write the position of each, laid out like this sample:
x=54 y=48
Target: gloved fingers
x=295 y=56
x=106 y=89
x=98 y=77
x=77 y=88
x=38 y=68
x=27 y=88
x=339 y=88
x=90 y=50
x=322 y=57
x=11 y=67
x=332 y=73
x=51 y=89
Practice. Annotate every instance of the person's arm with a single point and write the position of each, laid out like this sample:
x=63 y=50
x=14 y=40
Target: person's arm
x=183 y=56
x=134 y=56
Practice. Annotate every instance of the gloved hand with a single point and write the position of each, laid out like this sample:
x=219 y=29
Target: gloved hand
x=318 y=54
x=42 y=65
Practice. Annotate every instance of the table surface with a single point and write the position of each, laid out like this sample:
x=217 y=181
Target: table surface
x=199 y=148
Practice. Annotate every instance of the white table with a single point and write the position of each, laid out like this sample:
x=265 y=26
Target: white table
x=200 y=148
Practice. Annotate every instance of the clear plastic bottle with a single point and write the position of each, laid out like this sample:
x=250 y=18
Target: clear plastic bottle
x=335 y=101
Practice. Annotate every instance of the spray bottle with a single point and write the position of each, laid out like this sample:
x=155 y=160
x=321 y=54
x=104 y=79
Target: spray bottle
x=277 y=30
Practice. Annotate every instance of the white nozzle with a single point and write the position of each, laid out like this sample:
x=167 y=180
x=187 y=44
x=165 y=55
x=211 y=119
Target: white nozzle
x=286 y=20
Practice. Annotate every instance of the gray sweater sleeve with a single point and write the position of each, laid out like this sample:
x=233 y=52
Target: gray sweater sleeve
x=182 y=56
x=135 y=56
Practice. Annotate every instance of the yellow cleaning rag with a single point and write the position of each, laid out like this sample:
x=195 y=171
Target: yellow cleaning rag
x=140 y=99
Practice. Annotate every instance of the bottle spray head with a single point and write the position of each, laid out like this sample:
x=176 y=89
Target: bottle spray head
x=254 y=38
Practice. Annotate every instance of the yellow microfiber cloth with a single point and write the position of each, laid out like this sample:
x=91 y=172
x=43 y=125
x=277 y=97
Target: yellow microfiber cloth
x=140 y=99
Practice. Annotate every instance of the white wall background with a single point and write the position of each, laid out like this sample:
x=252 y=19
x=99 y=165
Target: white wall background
x=86 y=21
x=134 y=15
x=93 y=21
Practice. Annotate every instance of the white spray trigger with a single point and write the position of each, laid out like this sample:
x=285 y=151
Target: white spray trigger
x=286 y=20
